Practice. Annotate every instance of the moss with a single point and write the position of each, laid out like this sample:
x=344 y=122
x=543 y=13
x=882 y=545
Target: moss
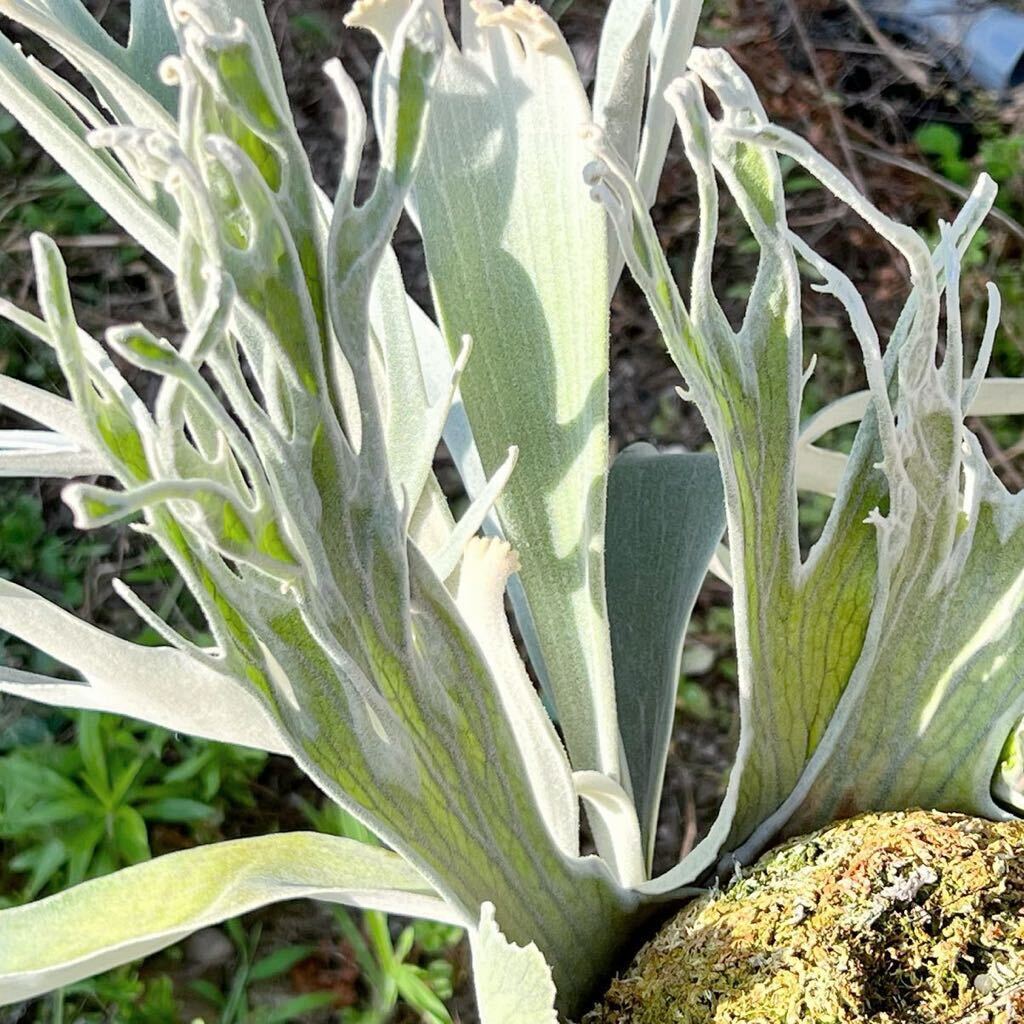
x=904 y=918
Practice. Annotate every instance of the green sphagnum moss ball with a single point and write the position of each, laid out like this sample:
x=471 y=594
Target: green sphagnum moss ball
x=901 y=918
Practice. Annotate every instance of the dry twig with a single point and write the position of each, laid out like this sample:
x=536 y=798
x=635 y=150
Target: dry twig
x=895 y=160
x=904 y=64
x=999 y=458
x=837 y=122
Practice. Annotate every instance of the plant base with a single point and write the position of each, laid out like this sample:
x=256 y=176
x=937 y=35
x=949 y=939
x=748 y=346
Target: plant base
x=900 y=918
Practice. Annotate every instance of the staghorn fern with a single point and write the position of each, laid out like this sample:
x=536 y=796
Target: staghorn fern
x=285 y=468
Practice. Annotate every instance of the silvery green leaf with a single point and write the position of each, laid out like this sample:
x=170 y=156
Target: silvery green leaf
x=513 y=983
x=414 y=413
x=620 y=81
x=125 y=916
x=431 y=525
x=619 y=88
x=431 y=521
x=821 y=470
x=675 y=25
x=45 y=408
x=150 y=39
x=69 y=28
x=68 y=449
x=46 y=453
x=644 y=46
x=613 y=822
x=879 y=672
x=181 y=693
x=458 y=438
x=746 y=384
x=55 y=126
x=436 y=364
x=666 y=514
x=925 y=717
x=446 y=559
x=531 y=291
x=937 y=687
x=484 y=572
x=359 y=245
x=416 y=390
x=224 y=17
x=113 y=412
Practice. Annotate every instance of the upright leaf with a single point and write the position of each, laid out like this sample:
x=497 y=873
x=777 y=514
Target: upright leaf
x=517 y=260
x=666 y=514
x=883 y=670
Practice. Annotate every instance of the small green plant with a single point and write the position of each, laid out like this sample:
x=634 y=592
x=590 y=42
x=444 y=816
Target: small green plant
x=29 y=549
x=944 y=145
x=235 y=1006
x=74 y=811
x=998 y=154
x=386 y=969
x=285 y=467
x=388 y=974
x=121 y=995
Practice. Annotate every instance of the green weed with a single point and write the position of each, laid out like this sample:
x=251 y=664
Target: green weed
x=73 y=810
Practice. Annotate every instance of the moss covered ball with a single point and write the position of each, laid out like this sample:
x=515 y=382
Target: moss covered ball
x=904 y=918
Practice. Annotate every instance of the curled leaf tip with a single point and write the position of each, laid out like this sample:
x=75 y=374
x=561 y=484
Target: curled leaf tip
x=193 y=18
x=533 y=26
x=382 y=18
x=169 y=71
x=493 y=557
x=685 y=88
